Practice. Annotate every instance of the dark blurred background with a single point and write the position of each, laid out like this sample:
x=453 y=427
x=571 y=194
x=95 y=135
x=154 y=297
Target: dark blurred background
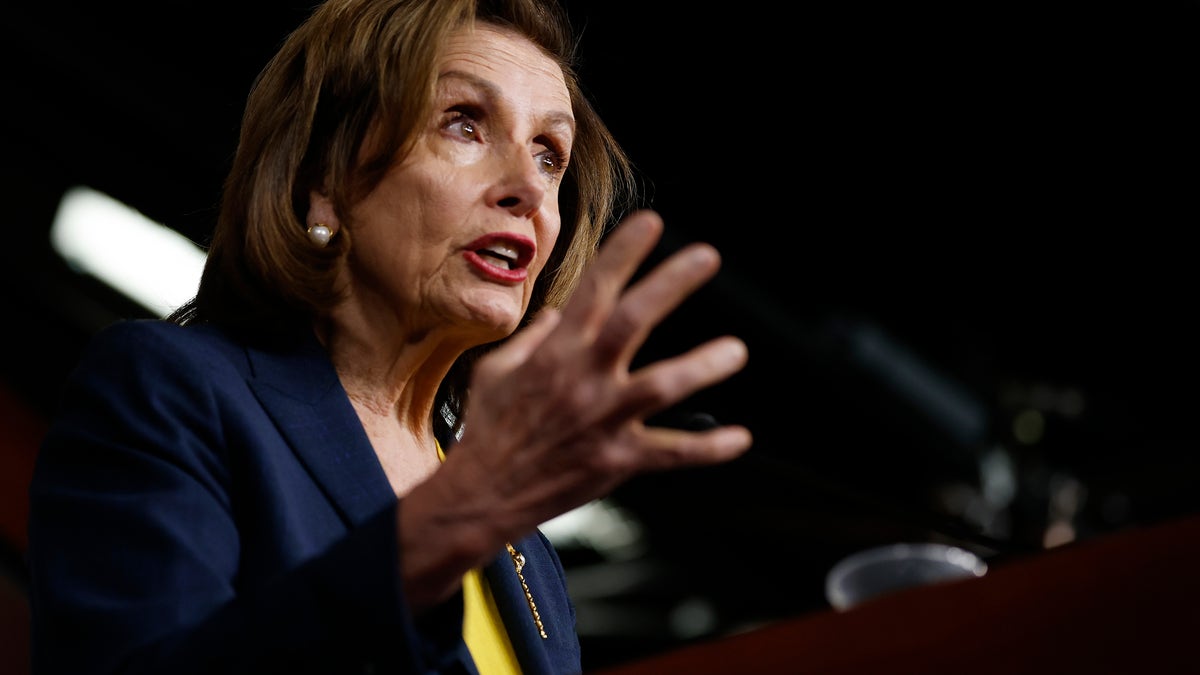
x=957 y=239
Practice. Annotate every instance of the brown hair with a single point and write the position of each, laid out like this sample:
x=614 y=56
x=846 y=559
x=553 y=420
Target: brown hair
x=349 y=66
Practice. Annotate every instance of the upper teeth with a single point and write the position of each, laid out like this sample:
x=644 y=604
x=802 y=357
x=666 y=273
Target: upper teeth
x=506 y=252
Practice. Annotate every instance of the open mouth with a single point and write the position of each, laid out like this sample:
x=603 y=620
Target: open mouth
x=504 y=250
x=501 y=255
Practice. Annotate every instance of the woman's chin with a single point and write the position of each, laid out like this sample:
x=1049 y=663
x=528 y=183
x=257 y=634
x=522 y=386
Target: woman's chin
x=496 y=320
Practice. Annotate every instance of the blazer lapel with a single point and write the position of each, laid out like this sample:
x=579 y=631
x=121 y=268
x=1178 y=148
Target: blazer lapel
x=533 y=651
x=300 y=390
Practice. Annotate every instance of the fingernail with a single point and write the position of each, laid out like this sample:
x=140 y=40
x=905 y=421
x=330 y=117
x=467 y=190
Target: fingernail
x=703 y=254
x=736 y=352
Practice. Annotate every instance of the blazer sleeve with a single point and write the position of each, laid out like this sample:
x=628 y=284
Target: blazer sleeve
x=134 y=541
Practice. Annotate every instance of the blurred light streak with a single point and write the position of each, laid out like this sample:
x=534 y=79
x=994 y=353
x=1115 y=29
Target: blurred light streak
x=146 y=261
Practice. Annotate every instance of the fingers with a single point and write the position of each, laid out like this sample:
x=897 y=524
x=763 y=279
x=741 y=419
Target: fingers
x=687 y=373
x=604 y=323
x=614 y=321
x=663 y=449
x=602 y=285
x=524 y=342
x=652 y=298
x=563 y=385
x=662 y=384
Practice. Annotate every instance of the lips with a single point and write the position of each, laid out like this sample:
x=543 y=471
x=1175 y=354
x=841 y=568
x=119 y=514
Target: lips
x=502 y=256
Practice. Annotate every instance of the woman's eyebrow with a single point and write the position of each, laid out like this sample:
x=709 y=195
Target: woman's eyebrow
x=470 y=78
x=559 y=119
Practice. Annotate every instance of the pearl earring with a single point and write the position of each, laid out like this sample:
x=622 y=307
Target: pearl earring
x=320 y=234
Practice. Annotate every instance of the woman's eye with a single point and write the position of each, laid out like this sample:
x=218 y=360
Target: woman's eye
x=552 y=162
x=462 y=125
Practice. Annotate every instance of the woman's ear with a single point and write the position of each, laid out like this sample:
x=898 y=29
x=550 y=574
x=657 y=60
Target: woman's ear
x=321 y=220
x=321 y=212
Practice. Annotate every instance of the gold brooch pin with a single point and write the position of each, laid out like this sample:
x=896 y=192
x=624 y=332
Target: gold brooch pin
x=519 y=563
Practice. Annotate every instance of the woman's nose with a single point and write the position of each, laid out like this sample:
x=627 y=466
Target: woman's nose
x=521 y=184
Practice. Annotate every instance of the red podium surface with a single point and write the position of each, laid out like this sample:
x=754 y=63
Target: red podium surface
x=1125 y=602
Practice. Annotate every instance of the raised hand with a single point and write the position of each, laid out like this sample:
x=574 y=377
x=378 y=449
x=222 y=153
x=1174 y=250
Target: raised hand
x=556 y=418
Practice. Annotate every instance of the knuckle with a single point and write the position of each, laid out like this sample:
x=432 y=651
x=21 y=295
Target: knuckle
x=654 y=393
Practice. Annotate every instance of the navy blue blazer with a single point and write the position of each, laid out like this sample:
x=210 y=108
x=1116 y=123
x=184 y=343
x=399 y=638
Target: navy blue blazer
x=200 y=506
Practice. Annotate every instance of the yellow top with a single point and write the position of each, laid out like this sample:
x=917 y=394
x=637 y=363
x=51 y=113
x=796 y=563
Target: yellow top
x=483 y=629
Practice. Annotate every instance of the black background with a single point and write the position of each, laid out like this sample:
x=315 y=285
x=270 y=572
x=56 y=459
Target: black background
x=1000 y=197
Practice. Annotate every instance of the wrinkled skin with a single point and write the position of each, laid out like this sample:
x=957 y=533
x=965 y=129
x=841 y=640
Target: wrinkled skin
x=556 y=416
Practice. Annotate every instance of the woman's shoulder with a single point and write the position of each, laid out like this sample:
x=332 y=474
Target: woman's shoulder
x=129 y=333
x=142 y=345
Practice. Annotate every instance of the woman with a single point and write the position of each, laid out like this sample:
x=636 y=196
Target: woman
x=335 y=458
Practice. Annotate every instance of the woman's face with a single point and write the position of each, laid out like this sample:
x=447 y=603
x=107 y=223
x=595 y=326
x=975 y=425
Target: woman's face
x=456 y=234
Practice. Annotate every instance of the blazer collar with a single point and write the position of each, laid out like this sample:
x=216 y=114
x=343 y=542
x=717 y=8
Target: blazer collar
x=533 y=651
x=299 y=388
